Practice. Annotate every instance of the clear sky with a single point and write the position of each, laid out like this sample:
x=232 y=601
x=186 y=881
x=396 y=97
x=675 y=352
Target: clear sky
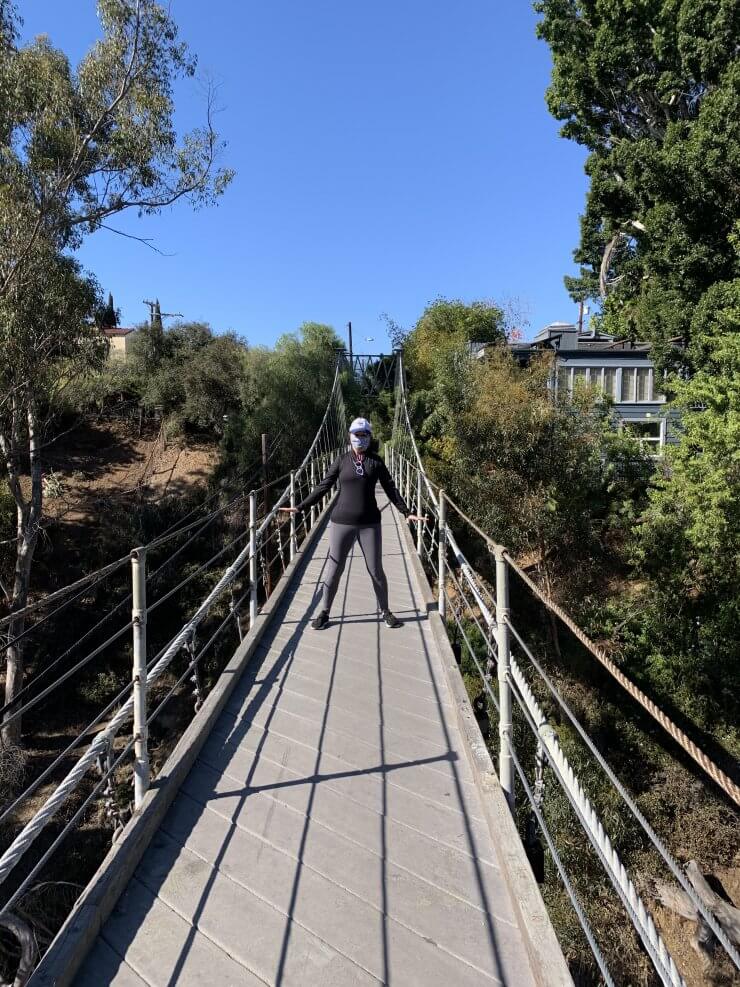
x=386 y=152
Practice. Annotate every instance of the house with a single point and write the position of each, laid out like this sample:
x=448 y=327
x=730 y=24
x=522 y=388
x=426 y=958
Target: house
x=622 y=369
x=119 y=341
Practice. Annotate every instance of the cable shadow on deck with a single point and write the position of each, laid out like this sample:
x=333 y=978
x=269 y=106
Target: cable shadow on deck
x=469 y=834
x=263 y=693
x=269 y=676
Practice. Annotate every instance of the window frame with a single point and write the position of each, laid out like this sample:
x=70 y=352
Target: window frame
x=645 y=442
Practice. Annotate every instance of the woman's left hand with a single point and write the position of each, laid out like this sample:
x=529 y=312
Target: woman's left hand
x=417 y=517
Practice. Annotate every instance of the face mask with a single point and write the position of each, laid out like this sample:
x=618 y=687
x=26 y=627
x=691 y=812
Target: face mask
x=359 y=444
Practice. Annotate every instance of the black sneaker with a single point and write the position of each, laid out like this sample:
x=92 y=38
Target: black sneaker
x=320 y=622
x=391 y=619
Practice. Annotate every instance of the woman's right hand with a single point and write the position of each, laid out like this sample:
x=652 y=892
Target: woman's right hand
x=288 y=510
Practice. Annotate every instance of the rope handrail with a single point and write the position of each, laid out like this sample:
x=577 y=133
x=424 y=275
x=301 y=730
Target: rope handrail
x=475 y=588
x=576 y=795
x=201 y=524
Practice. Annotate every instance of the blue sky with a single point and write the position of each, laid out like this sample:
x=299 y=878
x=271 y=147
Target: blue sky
x=386 y=153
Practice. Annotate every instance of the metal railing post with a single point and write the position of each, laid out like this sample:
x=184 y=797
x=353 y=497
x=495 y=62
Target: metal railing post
x=313 y=484
x=408 y=481
x=420 y=512
x=442 y=553
x=138 y=616
x=252 y=558
x=505 y=763
x=293 y=539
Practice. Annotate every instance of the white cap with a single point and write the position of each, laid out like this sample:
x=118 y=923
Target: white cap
x=361 y=425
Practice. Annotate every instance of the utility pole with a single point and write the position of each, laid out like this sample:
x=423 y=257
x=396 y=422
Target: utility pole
x=351 y=361
x=153 y=310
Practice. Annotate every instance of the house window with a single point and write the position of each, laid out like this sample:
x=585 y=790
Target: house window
x=628 y=384
x=644 y=390
x=580 y=376
x=648 y=434
x=610 y=382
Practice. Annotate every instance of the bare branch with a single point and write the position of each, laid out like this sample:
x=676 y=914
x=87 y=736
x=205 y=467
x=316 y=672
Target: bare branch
x=147 y=241
x=606 y=261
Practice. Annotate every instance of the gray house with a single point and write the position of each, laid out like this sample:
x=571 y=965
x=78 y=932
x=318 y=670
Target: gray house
x=622 y=369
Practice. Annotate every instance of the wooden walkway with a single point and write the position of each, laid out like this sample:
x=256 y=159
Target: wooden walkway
x=330 y=832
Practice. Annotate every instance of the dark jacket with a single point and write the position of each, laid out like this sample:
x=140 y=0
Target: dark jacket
x=356 y=501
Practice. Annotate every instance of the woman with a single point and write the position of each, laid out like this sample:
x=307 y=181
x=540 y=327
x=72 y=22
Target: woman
x=356 y=516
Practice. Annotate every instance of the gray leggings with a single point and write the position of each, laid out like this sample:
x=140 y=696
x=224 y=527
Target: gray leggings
x=341 y=540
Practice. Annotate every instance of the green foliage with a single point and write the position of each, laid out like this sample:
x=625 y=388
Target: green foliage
x=193 y=376
x=283 y=393
x=546 y=477
x=447 y=327
x=211 y=380
x=80 y=145
x=653 y=91
x=47 y=342
x=77 y=146
x=688 y=540
x=108 y=314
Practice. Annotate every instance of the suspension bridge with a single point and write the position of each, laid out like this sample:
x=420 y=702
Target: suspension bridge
x=331 y=814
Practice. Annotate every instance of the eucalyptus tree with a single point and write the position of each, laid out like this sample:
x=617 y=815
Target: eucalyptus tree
x=78 y=146
x=48 y=342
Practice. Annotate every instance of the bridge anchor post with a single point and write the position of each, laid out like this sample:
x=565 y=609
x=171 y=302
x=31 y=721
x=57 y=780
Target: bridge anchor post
x=442 y=553
x=252 y=558
x=293 y=538
x=138 y=619
x=420 y=513
x=313 y=484
x=505 y=762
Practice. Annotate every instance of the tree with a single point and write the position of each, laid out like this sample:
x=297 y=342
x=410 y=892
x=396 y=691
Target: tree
x=78 y=147
x=107 y=315
x=81 y=146
x=653 y=91
x=449 y=326
x=439 y=346
x=687 y=545
x=284 y=393
x=48 y=343
x=545 y=475
x=212 y=378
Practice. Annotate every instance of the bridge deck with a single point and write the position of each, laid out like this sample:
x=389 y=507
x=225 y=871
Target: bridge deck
x=330 y=832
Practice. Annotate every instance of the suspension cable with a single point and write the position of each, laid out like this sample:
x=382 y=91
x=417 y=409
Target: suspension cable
x=721 y=779
x=631 y=805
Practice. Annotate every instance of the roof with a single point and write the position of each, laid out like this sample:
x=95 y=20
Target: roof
x=116 y=331
x=621 y=345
